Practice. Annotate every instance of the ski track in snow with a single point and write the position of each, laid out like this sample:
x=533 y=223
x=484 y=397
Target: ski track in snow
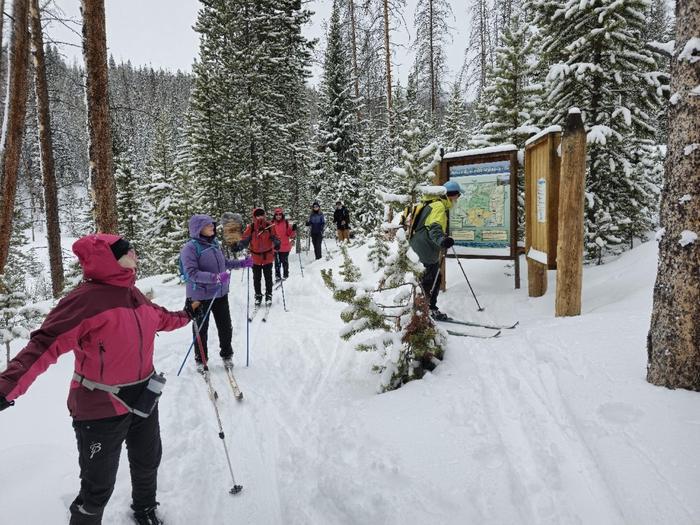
x=551 y=423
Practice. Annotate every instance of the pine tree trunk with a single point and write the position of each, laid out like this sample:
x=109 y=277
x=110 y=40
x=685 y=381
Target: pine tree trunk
x=96 y=87
x=53 y=230
x=11 y=146
x=387 y=51
x=433 y=80
x=2 y=26
x=673 y=342
x=353 y=36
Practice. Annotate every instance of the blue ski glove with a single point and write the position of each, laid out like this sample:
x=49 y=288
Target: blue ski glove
x=223 y=278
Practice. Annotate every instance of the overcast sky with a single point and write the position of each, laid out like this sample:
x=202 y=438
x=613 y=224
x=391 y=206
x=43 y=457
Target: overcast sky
x=159 y=33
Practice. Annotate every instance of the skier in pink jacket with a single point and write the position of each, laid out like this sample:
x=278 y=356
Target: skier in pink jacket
x=110 y=326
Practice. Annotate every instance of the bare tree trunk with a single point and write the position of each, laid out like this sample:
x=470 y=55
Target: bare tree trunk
x=53 y=230
x=433 y=80
x=387 y=50
x=673 y=342
x=15 y=110
x=96 y=87
x=2 y=26
x=353 y=36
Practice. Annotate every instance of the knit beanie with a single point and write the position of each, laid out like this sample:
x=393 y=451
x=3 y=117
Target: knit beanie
x=120 y=248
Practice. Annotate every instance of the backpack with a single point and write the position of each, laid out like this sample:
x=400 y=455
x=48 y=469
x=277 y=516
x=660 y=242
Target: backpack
x=411 y=219
x=184 y=277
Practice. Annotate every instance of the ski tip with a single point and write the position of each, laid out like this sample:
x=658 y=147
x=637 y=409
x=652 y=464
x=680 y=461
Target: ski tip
x=239 y=397
x=496 y=334
x=236 y=489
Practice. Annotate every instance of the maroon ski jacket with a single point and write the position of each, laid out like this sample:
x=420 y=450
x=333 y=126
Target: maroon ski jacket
x=106 y=322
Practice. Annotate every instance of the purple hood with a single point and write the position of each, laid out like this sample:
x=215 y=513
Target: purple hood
x=197 y=222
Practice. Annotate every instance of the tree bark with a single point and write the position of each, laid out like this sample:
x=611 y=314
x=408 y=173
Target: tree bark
x=673 y=342
x=96 y=87
x=570 y=239
x=53 y=230
x=353 y=37
x=11 y=146
x=2 y=26
x=433 y=80
x=387 y=51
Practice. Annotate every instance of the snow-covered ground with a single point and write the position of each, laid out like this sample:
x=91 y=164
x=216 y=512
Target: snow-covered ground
x=552 y=423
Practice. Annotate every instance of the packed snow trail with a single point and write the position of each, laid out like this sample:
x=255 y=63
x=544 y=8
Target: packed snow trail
x=551 y=423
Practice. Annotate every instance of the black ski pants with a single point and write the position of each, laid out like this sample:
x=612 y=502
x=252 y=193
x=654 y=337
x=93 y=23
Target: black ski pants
x=317 y=239
x=222 y=318
x=431 y=282
x=99 y=447
x=258 y=271
x=282 y=260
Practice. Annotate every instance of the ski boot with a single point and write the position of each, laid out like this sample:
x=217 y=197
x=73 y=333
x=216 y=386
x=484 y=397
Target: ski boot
x=202 y=368
x=147 y=516
x=258 y=300
x=438 y=315
x=268 y=299
x=228 y=363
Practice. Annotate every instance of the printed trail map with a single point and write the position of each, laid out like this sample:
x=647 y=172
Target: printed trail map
x=481 y=217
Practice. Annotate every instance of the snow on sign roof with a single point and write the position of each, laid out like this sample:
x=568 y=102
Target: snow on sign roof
x=545 y=131
x=504 y=148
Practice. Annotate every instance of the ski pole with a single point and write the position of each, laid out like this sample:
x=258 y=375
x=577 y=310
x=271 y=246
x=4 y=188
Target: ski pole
x=247 y=324
x=197 y=329
x=437 y=274
x=212 y=395
x=284 y=301
x=480 y=309
x=301 y=266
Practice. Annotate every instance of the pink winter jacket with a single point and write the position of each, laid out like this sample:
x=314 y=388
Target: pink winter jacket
x=106 y=322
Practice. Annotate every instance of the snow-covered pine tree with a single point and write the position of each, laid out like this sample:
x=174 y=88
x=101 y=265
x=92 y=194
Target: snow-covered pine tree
x=379 y=249
x=411 y=342
x=167 y=194
x=130 y=193
x=431 y=21
x=252 y=57
x=338 y=126
x=599 y=63
x=457 y=122
x=510 y=103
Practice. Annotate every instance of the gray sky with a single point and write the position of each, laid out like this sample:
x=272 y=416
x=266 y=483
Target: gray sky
x=159 y=33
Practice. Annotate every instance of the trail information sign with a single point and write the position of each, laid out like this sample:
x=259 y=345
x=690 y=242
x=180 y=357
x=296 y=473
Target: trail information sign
x=481 y=217
x=483 y=222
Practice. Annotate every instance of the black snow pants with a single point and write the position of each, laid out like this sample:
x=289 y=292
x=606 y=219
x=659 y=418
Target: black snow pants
x=258 y=271
x=317 y=239
x=431 y=276
x=222 y=318
x=282 y=260
x=99 y=447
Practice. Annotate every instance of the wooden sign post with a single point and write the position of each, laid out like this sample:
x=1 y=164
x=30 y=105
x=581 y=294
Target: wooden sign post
x=571 y=194
x=541 y=207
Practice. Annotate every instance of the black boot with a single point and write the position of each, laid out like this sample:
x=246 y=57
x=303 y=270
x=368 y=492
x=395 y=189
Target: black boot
x=258 y=300
x=147 y=516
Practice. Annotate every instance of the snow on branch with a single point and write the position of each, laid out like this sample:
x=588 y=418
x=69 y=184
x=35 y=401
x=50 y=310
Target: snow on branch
x=393 y=197
x=688 y=237
x=691 y=50
x=665 y=48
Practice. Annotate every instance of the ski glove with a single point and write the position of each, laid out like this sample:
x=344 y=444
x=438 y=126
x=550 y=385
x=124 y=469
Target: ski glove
x=276 y=243
x=448 y=242
x=294 y=227
x=223 y=278
x=191 y=308
x=247 y=262
x=4 y=403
